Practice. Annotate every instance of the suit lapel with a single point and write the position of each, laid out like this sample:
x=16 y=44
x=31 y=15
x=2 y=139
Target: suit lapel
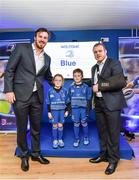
x=93 y=73
x=105 y=66
x=46 y=64
x=103 y=69
x=31 y=54
x=46 y=60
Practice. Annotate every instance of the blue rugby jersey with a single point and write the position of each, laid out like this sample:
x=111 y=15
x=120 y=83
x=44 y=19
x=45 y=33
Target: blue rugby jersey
x=79 y=95
x=57 y=100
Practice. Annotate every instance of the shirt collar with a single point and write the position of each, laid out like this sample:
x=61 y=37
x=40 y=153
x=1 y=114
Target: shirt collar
x=78 y=84
x=57 y=90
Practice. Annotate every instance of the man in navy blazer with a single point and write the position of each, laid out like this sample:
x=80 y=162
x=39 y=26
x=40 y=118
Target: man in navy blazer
x=107 y=83
x=27 y=67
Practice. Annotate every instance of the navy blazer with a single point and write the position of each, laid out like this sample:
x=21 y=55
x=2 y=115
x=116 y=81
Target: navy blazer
x=110 y=84
x=20 y=74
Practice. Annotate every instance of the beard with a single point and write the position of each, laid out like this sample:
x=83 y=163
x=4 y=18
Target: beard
x=40 y=45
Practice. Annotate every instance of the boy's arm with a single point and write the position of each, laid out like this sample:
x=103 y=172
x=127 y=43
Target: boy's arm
x=68 y=107
x=48 y=108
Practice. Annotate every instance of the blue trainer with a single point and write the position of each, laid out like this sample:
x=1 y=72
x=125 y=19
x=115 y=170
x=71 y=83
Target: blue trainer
x=86 y=141
x=76 y=143
x=61 y=143
x=55 y=144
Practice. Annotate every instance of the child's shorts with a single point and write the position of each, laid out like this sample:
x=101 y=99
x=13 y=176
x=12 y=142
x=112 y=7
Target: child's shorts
x=58 y=116
x=78 y=114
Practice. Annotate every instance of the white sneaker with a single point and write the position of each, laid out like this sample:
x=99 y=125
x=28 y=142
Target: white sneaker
x=61 y=143
x=76 y=143
x=55 y=144
x=86 y=141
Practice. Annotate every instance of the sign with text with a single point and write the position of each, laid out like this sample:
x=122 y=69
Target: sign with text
x=67 y=56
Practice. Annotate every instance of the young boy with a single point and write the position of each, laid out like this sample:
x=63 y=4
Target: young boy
x=57 y=100
x=79 y=94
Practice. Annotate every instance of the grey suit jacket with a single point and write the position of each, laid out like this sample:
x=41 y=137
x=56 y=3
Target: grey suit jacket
x=20 y=74
x=110 y=83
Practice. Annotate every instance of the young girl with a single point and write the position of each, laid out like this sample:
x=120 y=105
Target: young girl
x=57 y=109
x=79 y=94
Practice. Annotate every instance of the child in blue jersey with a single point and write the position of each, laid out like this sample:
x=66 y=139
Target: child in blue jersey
x=57 y=100
x=79 y=94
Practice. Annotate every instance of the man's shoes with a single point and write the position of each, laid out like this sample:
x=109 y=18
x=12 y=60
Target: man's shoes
x=40 y=159
x=98 y=160
x=24 y=164
x=111 y=168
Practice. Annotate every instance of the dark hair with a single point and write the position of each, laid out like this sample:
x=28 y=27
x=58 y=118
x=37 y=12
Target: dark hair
x=99 y=44
x=41 y=30
x=59 y=75
x=78 y=71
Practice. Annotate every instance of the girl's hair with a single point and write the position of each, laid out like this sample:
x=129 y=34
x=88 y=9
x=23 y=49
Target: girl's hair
x=78 y=71
x=59 y=75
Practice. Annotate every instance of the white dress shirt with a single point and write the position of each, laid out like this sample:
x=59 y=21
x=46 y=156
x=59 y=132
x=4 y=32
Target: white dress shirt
x=99 y=94
x=39 y=63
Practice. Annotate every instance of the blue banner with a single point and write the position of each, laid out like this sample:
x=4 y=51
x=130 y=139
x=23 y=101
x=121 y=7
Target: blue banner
x=7 y=117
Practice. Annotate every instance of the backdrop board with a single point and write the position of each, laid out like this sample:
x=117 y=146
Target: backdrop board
x=7 y=117
x=67 y=56
x=129 y=57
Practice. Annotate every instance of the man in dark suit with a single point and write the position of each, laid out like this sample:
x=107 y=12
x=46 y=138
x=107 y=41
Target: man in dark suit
x=27 y=67
x=107 y=83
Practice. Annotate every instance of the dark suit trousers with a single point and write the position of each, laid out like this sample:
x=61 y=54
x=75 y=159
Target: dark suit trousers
x=31 y=111
x=108 y=123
